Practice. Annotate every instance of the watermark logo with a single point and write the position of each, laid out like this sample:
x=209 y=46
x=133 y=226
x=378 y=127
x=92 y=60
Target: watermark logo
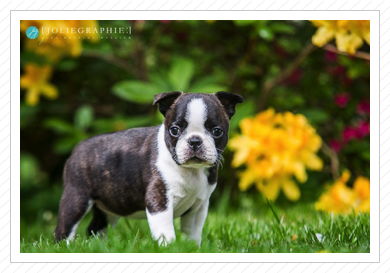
x=32 y=32
x=89 y=33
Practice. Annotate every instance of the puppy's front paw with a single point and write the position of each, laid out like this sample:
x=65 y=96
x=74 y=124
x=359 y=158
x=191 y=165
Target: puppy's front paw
x=161 y=226
x=163 y=241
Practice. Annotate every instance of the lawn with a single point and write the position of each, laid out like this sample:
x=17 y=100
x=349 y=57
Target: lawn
x=254 y=226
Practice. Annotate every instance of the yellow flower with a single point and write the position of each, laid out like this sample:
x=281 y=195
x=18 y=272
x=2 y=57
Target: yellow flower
x=349 y=34
x=361 y=188
x=55 y=45
x=35 y=82
x=342 y=199
x=275 y=147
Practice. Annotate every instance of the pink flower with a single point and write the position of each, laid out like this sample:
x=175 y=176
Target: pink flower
x=363 y=107
x=350 y=133
x=342 y=99
x=363 y=129
x=335 y=145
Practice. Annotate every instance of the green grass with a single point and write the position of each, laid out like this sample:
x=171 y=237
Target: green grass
x=251 y=227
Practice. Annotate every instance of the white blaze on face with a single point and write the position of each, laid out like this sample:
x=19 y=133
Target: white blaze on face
x=196 y=116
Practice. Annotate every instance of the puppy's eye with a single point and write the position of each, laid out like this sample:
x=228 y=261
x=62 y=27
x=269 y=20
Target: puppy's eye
x=217 y=132
x=174 y=131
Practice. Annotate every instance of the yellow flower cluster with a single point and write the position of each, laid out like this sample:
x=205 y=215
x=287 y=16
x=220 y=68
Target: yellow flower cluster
x=53 y=45
x=275 y=147
x=349 y=34
x=341 y=199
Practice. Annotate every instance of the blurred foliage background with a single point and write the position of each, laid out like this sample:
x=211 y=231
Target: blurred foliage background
x=74 y=86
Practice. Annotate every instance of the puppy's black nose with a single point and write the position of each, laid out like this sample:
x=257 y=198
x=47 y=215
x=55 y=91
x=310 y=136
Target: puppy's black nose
x=195 y=142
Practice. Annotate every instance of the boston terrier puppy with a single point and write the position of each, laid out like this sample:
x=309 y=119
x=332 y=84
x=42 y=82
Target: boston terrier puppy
x=157 y=173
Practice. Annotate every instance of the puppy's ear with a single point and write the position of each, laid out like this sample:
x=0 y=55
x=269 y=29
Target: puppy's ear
x=229 y=101
x=165 y=100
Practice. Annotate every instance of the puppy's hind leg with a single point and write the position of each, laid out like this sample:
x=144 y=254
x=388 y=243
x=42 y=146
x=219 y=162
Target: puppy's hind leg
x=73 y=206
x=100 y=221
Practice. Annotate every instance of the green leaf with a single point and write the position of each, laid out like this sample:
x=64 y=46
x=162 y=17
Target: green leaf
x=289 y=44
x=366 y=155
x=160 y=82
x=136 y=91
x=281 y=27
x=139 y=121
x=209 y=88
x=83 y=117
x=181 y=73
x=121 y=123
x=65 y=145
x=266 y=33
x=207 y=85
x=59 y=125
x=244 y=22
x=67 y=65
x=159 y=117
x=315 y=116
